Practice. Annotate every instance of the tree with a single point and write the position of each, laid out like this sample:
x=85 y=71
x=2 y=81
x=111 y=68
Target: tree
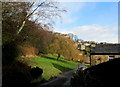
x=42 y=12
x=18 y=13
x=21 y=24
x=41 y=39
x=62 y=45
x=35 y=36
x=32 y=33
x=13 y=14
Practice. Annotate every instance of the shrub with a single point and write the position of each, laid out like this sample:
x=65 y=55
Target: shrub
x=101 y=75
x=36 y=72
x=15 y=79
x=27 y=51
x=9 y=52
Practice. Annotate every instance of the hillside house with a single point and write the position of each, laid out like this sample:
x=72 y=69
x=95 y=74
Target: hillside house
x=81 y=57
x=82 y=47
x=104 y=52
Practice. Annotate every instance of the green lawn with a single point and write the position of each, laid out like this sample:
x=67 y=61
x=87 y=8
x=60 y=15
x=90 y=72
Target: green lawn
x=87 y=64
x=51 y=67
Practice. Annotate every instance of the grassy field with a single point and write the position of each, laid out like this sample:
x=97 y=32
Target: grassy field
x=87 y=64
x=51 y=67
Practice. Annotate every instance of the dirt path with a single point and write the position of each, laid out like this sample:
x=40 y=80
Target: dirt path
x=61 y=81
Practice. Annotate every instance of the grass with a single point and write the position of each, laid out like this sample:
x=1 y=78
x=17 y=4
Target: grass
x=87 y=64
x=51 y=67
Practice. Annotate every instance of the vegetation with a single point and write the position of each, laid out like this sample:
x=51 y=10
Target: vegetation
x=31 y=38
x=101 y=75
x=28 y=38
x=62 y=45
x=51 y=67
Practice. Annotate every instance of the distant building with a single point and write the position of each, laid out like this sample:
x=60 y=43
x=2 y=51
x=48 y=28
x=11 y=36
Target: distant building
x=82 y=47
x=81 y=57
x=71 y=35
x=87 y=44
x=104 y=52
x=93 y=45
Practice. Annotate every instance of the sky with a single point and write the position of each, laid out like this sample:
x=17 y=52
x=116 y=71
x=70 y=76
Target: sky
x=91 y=21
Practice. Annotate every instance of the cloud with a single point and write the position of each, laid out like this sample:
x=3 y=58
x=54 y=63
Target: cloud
x=94 y=33
x=71 y=8
x=69 y=20
x=97 y=33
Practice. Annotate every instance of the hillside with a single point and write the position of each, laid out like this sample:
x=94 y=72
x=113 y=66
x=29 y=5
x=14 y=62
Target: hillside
x=51 y=67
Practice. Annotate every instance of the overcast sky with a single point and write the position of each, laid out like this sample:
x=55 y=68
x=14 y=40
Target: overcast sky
x=92 y=21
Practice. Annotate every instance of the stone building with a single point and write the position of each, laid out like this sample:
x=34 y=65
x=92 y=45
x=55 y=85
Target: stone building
x=104 y=52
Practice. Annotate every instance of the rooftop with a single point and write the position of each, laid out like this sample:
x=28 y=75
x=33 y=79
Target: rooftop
x=106 y=49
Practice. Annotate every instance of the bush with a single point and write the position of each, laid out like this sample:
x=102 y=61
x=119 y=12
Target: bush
x=36 y=72
x=15 y=79
x=9 y=52
x=27 y=51
x=103 y=75
x=20 y=75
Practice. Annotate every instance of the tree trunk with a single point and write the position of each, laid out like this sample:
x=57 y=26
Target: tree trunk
x=58 y=56
x=28 y=15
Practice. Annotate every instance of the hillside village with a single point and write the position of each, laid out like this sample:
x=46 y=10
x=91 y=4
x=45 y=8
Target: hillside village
x=87 y=50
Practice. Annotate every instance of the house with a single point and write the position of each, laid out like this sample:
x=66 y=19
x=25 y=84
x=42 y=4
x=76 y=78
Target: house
x=81 y=57
x=87 y=44
x=104 y=52
x=82 y=47
x=93 y=45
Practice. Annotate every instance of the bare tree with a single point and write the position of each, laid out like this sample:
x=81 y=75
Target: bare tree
x=42 y=12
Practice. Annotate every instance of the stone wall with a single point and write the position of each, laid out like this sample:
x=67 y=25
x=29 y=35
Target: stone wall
x=86 y=58
x=96 y=59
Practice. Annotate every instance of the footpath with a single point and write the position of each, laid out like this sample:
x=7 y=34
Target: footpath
x=62 y=80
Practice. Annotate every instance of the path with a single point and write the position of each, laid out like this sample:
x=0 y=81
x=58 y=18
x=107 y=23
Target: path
x=61 y=81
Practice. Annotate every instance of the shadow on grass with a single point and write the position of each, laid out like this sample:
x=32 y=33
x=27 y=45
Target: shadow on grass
x=61 y=68
x=55 y=59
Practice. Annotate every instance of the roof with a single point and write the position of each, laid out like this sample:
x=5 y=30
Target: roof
x=106 y=49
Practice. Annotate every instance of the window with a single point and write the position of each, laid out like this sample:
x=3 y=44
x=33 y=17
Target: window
x=111 y=57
